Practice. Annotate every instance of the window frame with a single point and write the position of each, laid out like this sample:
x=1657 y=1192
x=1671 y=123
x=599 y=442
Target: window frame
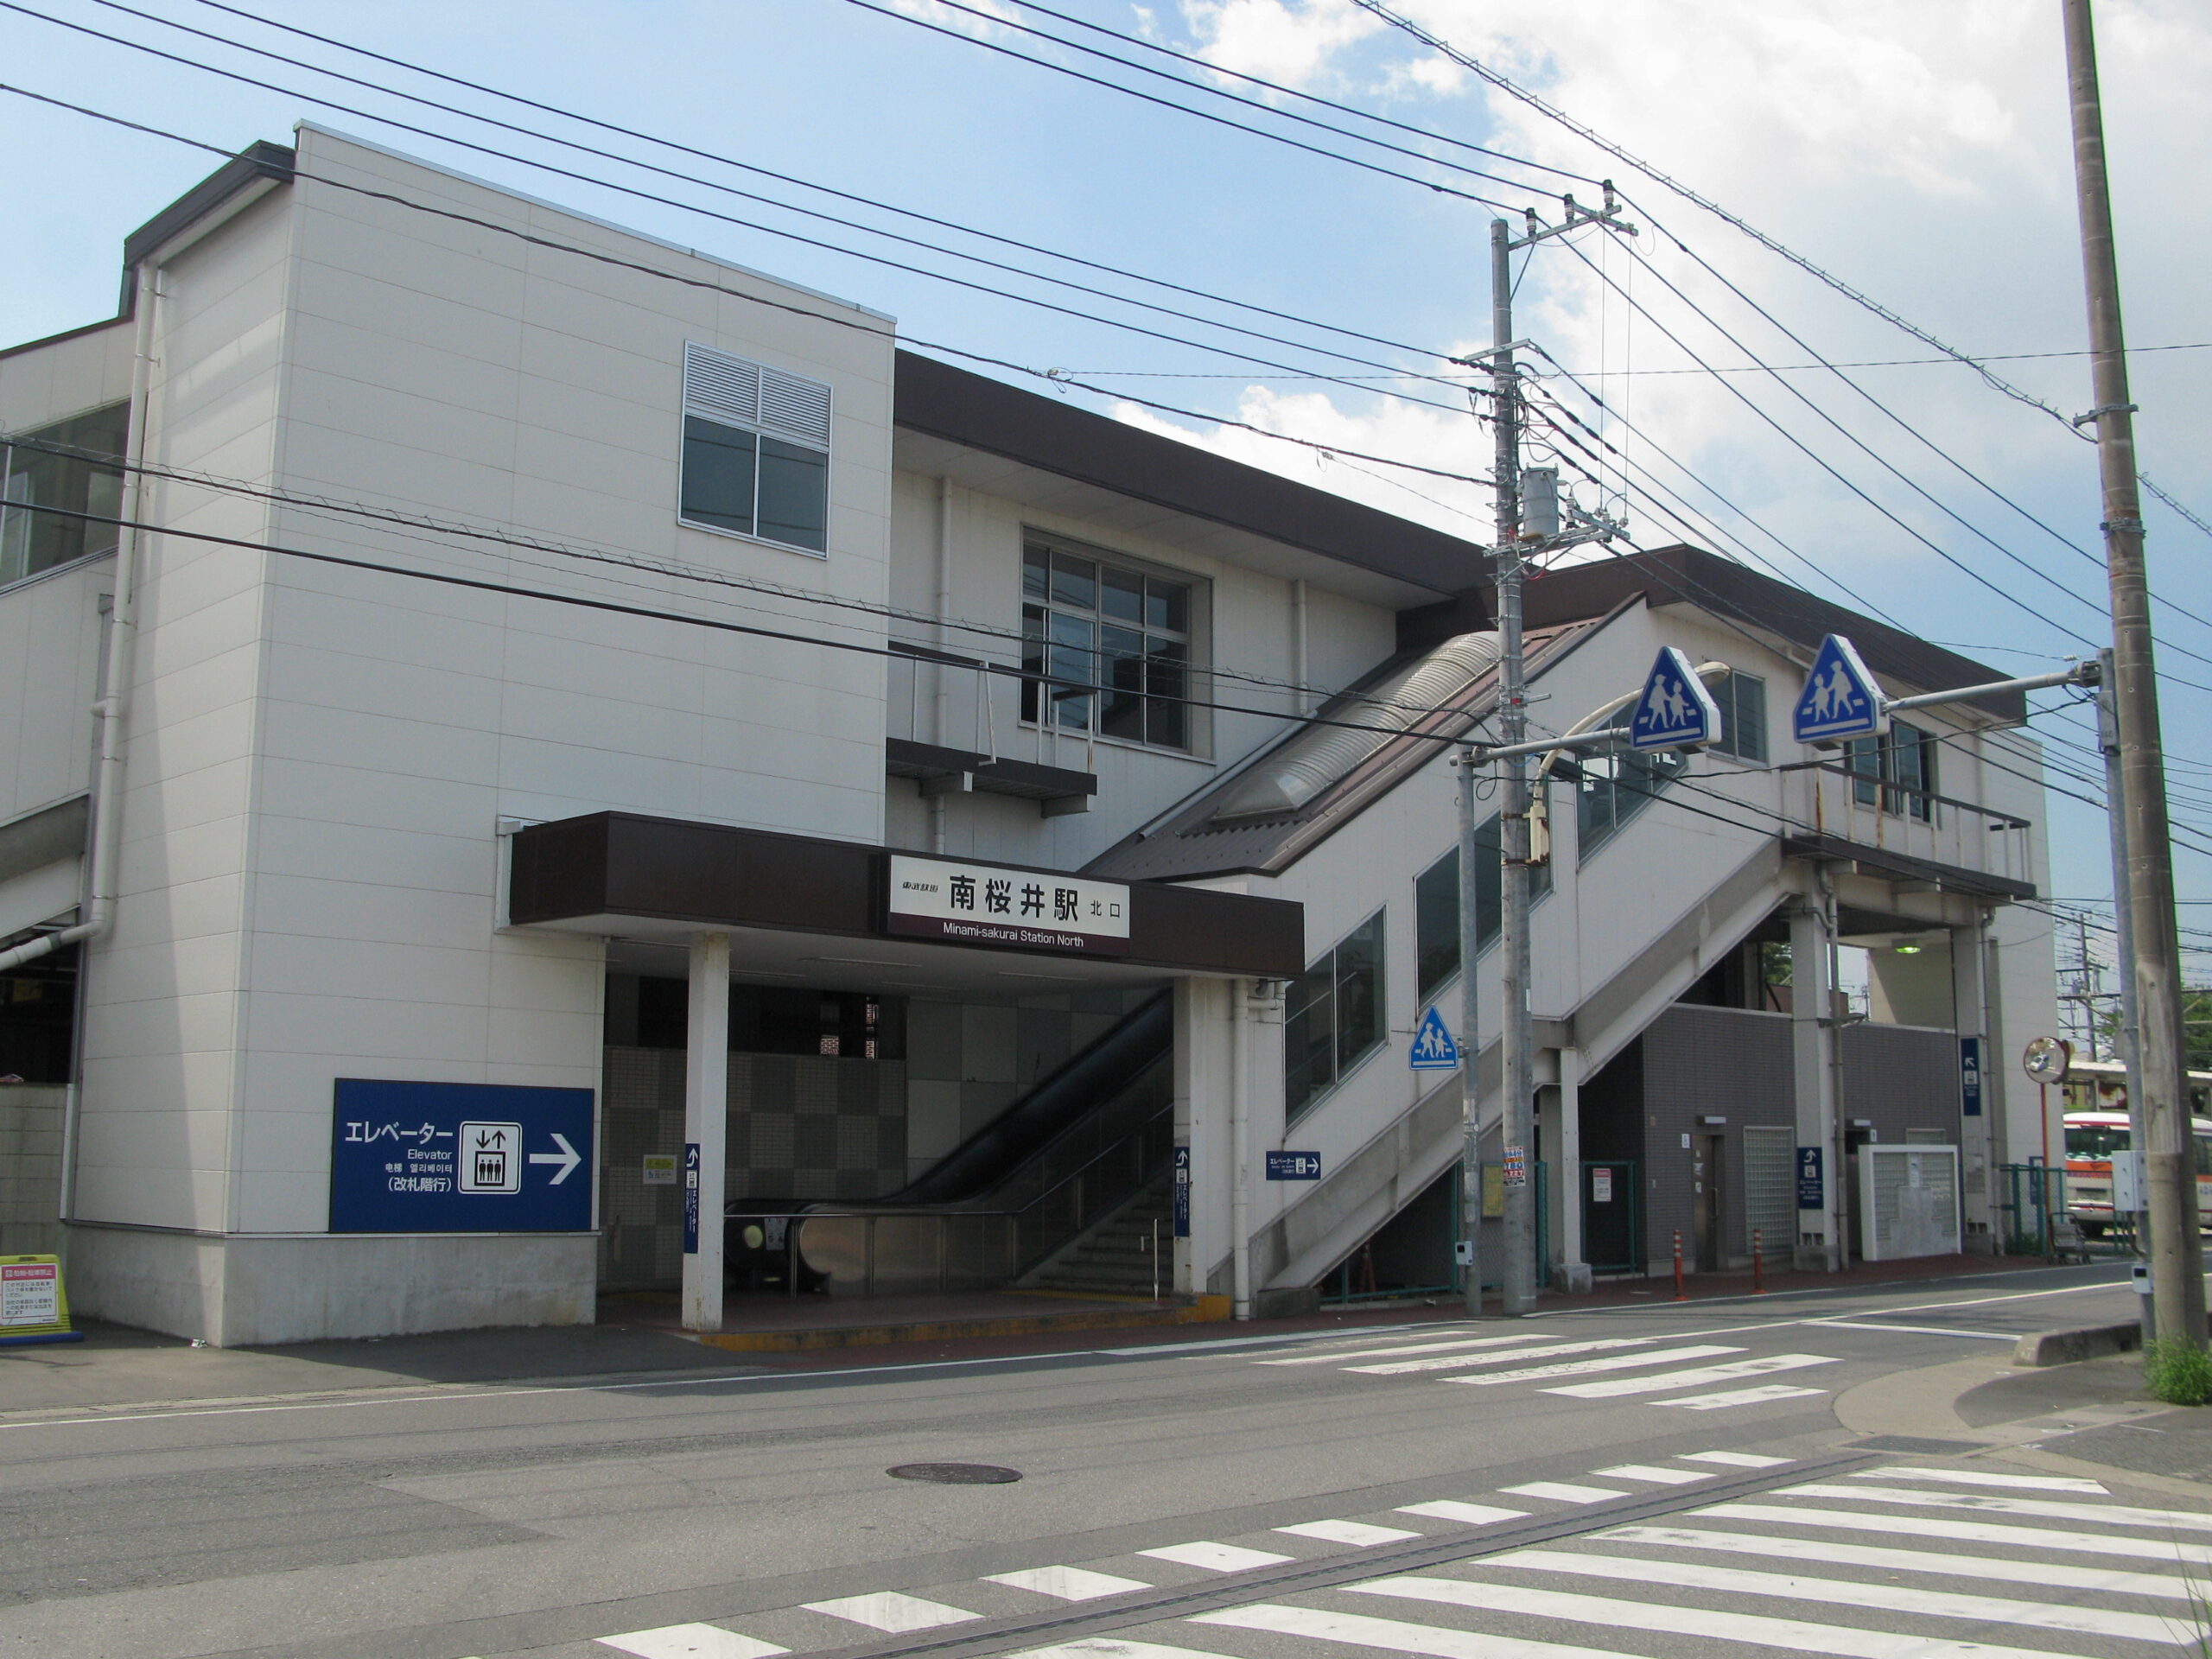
x=1489 y=920
x=1729 y=695
x=10 y=506
x=1329 y=965
x=1872 y=764
x=762 y=432
x=1620 y=758
x=1044 y=659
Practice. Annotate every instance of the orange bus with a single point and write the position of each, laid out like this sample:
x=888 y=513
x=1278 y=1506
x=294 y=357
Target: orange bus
x=2096 y=1128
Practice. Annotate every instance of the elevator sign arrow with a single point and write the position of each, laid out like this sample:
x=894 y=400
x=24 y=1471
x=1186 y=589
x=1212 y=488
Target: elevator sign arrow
x=1841 y=699
x=567 y=1158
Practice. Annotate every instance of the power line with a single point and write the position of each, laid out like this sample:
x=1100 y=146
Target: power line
x=792 y=178
x=728 y=219
x=1826 y=278
x=799 y=310
x=1182 y=109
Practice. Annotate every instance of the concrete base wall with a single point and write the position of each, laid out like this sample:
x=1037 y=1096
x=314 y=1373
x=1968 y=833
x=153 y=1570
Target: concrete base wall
x=239 y=1291
x=30 y=1168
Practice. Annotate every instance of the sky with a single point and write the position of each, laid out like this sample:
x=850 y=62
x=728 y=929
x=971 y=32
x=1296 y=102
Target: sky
x=1919 y=153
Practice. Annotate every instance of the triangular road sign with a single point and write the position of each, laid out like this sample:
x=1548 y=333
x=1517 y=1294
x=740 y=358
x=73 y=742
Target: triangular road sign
x=1841 y=699
x=1674 y=711
x=1433 y=1049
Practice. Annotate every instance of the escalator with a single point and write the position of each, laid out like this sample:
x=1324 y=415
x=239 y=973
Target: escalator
x=1091 y=1137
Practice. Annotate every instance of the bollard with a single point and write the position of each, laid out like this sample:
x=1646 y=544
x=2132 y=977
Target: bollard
x=1680 y=1295
x=1758 y=1262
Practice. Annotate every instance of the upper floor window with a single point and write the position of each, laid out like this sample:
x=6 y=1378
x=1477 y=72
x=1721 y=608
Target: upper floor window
x=1436 y=907
x=1742 y=702
x=1897 y=768
x=1613 y=787
x=65 y=475
x=756 y=450
x=1333 y=1018
x=1107 y=647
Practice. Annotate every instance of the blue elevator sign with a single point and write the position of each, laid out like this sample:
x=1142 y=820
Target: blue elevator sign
x=1674 y=711
x=1812 y=1189
x=1840 y=699
x=1294 y=1166
x=460 y=1158
x=1970 y=1076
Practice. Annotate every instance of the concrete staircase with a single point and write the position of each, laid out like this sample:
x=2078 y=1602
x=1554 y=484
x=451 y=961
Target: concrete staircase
x=1115 y=1257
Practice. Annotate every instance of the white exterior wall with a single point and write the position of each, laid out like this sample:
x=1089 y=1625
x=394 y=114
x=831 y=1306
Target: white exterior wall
x=1243 y=618
x=319 y=757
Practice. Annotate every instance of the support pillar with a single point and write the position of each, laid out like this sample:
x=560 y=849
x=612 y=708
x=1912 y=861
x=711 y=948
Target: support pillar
x=1822 y=1240
x=706 y=1124
x=1970 y=1018
x=1572 y=1273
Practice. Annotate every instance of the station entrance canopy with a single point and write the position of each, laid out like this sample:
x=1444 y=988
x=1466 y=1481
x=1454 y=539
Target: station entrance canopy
x=625 y=876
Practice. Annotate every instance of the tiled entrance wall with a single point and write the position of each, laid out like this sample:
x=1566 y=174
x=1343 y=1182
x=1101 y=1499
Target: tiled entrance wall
x=802 y=1128
x=967 y=1061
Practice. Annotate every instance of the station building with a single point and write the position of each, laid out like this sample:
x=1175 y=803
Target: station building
x=533 y=756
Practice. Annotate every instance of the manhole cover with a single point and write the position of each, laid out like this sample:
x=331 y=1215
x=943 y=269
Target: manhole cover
x=956 y=1474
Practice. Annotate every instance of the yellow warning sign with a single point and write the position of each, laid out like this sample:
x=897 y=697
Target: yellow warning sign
x=33 y=1305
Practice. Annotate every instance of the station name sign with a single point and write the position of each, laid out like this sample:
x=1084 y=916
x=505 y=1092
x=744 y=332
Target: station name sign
x=986 y=904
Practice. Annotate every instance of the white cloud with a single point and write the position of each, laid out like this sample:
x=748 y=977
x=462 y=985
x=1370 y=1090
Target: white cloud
x=1288 y=41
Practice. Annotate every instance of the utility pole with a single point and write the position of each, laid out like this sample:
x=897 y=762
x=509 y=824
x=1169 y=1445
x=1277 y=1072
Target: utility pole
x=2123 y=925
x=1471 y=1046
x=2170 y=1174
x=1516 y=1024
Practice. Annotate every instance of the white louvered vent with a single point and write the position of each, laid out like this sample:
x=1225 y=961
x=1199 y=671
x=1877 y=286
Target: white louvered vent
x=790 y=407
x=720 y=387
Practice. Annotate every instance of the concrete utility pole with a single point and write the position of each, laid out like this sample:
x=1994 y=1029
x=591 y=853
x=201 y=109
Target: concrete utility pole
x=2122 y=922
x=1517 y=1027
x=2170 y=1173
x=1471 y=1046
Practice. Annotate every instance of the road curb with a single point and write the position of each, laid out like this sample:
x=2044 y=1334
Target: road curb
x=2069 y=1347
x=1203 y=1310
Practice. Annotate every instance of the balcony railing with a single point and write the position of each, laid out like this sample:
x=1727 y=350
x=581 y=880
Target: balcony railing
x=1910 y=822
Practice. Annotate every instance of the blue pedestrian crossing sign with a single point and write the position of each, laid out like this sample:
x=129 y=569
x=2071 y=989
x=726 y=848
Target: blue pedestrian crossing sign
x=1841 y=699
x=1674 y=711
x=1433 y=1049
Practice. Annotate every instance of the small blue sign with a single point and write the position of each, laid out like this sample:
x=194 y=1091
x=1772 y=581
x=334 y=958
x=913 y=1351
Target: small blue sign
x=1970 y=1076
x=460 y=1158
x=1182 y=1191
x=1674 y=711
x=1812 y=1189
x=1840 y=699
x=1433 y=1049
x=1294 y=1166
x=690 y=1198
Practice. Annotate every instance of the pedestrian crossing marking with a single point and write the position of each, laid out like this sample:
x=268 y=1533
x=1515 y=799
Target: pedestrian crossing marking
x=1651 y=1472
x=1582 y=1367
x=1408 y=1348
x=1473 y=1514
x=1392 y=1635
x=1067 y=1583
x=1980 y=1478
x=690 y=1642
x=1667 y=1381
x=1706 y=1624
x=1456 y=1362
x=1729 y=1397
x=1934 y=1604
x=1560 y=1491
x=2058 y=1574
x=1734 y=1459
x=1111 y=1647
x=1215 y=1558
x=2111 y=1515
x=1358 y=1534
x=892 y=1611
x=1975 y=1532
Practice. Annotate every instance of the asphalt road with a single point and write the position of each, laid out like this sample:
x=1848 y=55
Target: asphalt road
x=1221 y=1495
